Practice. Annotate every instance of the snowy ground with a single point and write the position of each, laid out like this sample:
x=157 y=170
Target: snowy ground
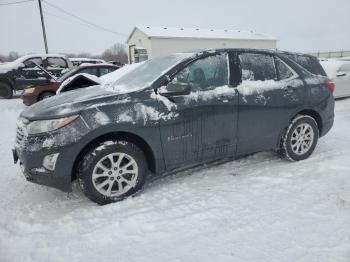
x=258 y=208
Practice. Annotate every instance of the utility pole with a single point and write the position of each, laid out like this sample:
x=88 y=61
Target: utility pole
x=43 y=26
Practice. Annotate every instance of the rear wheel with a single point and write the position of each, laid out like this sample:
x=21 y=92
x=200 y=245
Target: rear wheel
x=6 y=90
x=300 y=138
x=45 y=95
x=112 y=171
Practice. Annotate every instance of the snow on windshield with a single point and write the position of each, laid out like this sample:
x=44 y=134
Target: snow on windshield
x=145 y=73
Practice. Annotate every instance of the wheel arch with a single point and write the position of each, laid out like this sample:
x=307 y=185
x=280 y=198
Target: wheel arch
x=127 y=136
x=308 y=112
x=315 y=115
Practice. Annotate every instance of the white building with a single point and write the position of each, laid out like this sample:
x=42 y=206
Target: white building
x=147 y=42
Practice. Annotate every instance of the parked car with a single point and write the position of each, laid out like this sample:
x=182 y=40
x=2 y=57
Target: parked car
x=77 y=61
x=28 y=70
x=48 y=89
x=339 y=72
x=172 y=113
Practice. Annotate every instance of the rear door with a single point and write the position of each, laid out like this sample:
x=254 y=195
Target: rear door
x=269 y=95
x=200 y=126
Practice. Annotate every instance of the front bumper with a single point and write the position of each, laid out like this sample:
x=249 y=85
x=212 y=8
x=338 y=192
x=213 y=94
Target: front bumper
x=40 y=175
x=30 y=151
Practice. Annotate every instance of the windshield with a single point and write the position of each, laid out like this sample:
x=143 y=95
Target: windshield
x=66 y=75
x=143 y=75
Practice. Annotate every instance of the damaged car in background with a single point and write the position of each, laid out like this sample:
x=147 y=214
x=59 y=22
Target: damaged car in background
x=27 y=71
x=48 y=89
x=172 y=113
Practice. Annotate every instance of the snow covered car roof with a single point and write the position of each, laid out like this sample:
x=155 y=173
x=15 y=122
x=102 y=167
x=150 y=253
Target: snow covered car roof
x=84 y=59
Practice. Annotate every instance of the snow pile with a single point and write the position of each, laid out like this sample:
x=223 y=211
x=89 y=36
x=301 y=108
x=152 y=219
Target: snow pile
x=257 y=208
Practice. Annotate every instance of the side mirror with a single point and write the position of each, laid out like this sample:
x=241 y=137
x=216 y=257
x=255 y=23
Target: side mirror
x=341 y=74
x=176 y=89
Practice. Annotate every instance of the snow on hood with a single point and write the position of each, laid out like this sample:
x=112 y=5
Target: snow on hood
x=71 y=102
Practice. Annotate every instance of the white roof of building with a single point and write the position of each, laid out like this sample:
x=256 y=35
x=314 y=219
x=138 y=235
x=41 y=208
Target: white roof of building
x=181 y=32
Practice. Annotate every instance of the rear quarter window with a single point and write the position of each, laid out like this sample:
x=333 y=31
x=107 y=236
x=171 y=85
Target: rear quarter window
x=310 y=63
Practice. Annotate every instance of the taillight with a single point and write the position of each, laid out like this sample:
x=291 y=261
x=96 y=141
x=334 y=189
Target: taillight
x=330 y=85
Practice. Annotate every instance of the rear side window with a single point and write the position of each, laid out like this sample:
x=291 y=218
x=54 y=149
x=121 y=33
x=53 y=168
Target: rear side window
x=257 y=67
x=311 y=64
x=283 y=70
x=56 y=62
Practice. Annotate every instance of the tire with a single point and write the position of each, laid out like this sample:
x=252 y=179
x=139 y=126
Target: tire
x=103 y=183
x=45 y=95
x=6 y=91
x=300 y=138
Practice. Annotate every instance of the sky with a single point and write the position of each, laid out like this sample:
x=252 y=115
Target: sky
x=299 y=25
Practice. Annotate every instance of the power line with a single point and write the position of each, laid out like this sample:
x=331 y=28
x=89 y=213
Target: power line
x=65 y=19
x=17 y=2
x=83 y=20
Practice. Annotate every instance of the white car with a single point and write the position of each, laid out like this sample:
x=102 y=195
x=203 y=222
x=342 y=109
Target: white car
x=339 y=72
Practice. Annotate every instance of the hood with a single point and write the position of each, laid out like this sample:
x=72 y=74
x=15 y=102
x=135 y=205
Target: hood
x=6 y=67
x=70 y=103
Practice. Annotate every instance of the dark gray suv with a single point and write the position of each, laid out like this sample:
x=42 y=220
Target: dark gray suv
x=172 y=113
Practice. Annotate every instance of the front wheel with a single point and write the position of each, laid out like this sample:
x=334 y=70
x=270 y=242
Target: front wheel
x=112 y=171
x=300 y=138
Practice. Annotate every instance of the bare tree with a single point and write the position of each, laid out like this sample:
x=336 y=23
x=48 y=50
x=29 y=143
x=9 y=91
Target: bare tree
x=116 y=53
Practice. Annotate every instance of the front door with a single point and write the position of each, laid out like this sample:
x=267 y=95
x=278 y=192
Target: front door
x=200 y=126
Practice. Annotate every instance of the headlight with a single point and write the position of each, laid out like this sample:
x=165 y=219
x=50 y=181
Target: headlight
x=29 y=90
x=43 y=126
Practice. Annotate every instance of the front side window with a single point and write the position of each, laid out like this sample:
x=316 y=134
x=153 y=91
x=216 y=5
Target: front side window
x=205 y=74
x=283 y=70
x=56 y=62
x=257 y=67
x=33 y=62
